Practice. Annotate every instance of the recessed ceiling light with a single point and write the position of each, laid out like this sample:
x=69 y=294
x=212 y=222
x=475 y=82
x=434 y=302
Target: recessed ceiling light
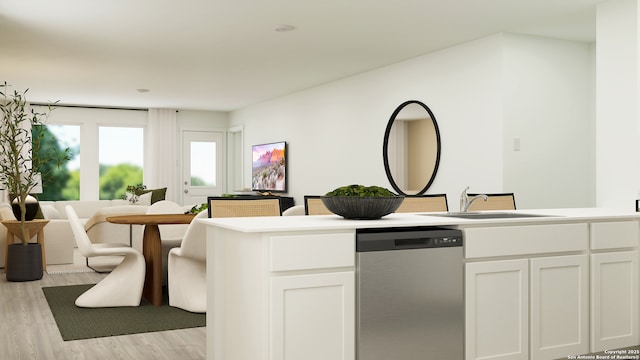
x=142 y=90
x=284 y=28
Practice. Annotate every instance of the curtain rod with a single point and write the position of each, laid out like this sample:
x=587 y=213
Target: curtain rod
x=89 y=107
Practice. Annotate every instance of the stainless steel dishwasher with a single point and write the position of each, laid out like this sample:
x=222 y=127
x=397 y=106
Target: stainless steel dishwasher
x=409 y=294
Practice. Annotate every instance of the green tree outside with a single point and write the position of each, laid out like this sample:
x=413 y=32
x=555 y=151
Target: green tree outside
x=114 y=180
x=196 y=181
x=72 y=189
x=58 y=175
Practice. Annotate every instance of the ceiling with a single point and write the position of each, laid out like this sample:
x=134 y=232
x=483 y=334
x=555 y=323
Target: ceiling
x=226 y=54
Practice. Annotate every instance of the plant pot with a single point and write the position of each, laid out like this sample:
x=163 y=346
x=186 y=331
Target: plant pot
x=31 y=205
x=24 y=262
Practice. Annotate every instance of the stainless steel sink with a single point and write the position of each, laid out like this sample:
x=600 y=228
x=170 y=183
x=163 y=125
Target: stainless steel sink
x=487 y=215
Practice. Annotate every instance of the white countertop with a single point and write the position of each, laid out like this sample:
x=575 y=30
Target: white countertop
x=334 y=222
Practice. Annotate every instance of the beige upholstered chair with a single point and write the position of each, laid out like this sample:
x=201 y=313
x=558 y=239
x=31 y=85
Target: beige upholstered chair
x=496 y=201
x=239 y=206
x=424 y=203
x=187 y=281
x=313 y=205
x=123 y=286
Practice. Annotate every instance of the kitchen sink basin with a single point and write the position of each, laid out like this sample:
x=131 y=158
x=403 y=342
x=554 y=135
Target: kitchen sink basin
x=487 y=215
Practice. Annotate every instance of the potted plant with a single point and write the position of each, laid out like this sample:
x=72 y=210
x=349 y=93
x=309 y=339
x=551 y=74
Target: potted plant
x=20 y=158
x=362 y=202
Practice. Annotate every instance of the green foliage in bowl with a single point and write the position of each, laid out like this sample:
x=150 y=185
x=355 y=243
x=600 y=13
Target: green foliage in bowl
x=360 y=190
x=362 y=202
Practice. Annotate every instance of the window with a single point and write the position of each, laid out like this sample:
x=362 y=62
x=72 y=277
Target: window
x=63 y=180
x=102 y=136
x=120 y=157
x=203 y=163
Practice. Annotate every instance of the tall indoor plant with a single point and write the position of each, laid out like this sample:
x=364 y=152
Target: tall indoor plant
x=20 y=156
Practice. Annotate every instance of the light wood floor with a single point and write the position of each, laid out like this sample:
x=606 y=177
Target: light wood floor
x=28 y=330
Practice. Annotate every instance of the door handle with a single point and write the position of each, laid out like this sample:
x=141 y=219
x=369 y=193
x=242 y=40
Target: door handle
x=186 y=191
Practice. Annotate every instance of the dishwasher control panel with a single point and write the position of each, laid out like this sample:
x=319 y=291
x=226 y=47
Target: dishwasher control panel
x=407 y=238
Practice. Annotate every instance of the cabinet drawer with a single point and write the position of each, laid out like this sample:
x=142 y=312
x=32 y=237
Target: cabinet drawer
x=522 y=240
x=617 y=234
x=312 y=251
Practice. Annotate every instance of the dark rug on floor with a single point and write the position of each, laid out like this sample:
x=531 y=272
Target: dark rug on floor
x=77 y=323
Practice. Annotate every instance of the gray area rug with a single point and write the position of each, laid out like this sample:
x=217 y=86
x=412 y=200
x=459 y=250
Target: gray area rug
x=77 y=323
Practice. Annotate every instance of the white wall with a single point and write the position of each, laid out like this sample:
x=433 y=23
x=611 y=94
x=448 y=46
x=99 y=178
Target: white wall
x=617 y=140
x=202 y=120
x=335 y=132
x=548 y=108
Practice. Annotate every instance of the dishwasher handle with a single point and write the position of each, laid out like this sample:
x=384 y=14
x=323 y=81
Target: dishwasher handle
x=410 y=243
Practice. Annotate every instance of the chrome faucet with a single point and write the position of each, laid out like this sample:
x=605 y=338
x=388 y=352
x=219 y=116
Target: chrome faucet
x=465 y=202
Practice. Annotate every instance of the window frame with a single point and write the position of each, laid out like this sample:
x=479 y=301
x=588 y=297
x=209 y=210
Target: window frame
x=90 y=120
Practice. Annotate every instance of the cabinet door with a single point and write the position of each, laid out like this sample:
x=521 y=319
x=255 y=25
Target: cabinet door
x=313 y=316
x=559 y=306
x=614 y=300
x=496 y=306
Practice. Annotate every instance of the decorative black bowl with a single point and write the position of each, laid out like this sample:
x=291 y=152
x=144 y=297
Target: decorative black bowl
x=362 y=207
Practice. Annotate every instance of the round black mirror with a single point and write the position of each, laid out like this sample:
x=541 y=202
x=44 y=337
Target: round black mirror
x=411 y=148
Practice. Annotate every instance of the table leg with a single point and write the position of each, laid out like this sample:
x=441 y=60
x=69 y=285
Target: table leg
x=152 y=251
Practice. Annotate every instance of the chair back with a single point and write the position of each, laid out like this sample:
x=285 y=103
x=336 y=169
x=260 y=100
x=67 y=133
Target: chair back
x=294 y=210
x=238 y=207
x=194 y=243
x=313 y=205
x=496 y=201
x=424 y=203
x=82 y=239
x=169 y=232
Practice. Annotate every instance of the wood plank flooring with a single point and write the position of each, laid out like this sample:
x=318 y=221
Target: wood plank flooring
x=30 y=332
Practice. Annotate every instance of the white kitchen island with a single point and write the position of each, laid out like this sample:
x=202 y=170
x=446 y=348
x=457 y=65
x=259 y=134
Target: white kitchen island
x=535 y=288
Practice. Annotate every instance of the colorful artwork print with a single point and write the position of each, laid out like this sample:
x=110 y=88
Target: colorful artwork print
x=269 y=167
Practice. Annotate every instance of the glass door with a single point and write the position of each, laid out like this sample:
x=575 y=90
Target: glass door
x=202 y=165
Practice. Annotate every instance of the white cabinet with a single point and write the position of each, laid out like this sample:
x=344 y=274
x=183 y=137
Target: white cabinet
x=496 y=302
x=529 y=307
x=281 y=295
x=312 y=316
x=614 y=300
x=614 y=285
x=559 y=306
x=312 y=302
x=542 y=302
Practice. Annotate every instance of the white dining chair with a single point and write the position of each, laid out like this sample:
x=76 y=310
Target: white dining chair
x=187 y=269
x=123 y=286
x=294 y=211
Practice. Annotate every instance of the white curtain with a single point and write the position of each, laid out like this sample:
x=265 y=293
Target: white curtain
x=161 y=168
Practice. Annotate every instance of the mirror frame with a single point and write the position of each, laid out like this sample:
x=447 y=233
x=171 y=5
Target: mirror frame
x=385 y=148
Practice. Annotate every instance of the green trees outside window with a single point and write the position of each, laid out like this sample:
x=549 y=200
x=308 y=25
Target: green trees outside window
x=64 y=182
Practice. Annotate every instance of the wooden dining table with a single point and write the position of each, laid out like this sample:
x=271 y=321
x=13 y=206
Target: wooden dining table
x=152 y=247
